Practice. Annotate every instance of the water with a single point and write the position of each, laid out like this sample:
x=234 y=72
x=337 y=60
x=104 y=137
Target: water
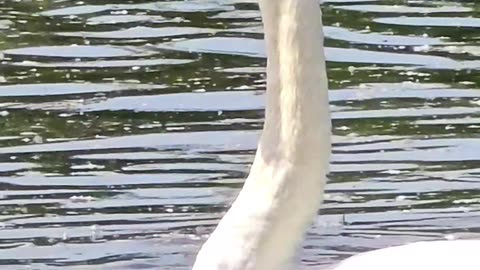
x=127 y=127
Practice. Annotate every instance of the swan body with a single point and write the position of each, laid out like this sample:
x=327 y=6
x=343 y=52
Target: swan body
x=284 y=189
x=432 y=255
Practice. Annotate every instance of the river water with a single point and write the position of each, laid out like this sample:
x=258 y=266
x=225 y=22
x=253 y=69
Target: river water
x=127 y=127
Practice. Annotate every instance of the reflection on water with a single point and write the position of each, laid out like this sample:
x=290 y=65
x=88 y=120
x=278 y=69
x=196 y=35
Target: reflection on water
x=127 y=127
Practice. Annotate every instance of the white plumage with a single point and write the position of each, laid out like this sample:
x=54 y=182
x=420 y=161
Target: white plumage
x=284 y=189
x=434 y=255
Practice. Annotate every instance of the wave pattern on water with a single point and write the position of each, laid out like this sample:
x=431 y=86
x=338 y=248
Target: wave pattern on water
x=127 y=129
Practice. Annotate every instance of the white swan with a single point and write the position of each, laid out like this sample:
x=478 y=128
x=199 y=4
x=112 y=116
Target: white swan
x=282 y=193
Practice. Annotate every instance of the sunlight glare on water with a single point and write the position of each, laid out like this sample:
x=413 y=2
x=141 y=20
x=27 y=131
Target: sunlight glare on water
x=127 y=127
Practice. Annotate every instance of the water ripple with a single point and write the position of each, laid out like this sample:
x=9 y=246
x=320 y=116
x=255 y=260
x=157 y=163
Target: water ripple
x=127 y=128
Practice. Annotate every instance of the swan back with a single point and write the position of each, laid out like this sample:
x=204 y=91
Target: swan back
x=435 y=255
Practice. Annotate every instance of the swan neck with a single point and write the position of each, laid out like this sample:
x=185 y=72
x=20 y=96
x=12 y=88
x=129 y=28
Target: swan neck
x=297 y=117
x=282 y=193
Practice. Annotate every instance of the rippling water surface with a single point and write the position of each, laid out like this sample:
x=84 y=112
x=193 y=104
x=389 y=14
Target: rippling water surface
x=127 y=127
